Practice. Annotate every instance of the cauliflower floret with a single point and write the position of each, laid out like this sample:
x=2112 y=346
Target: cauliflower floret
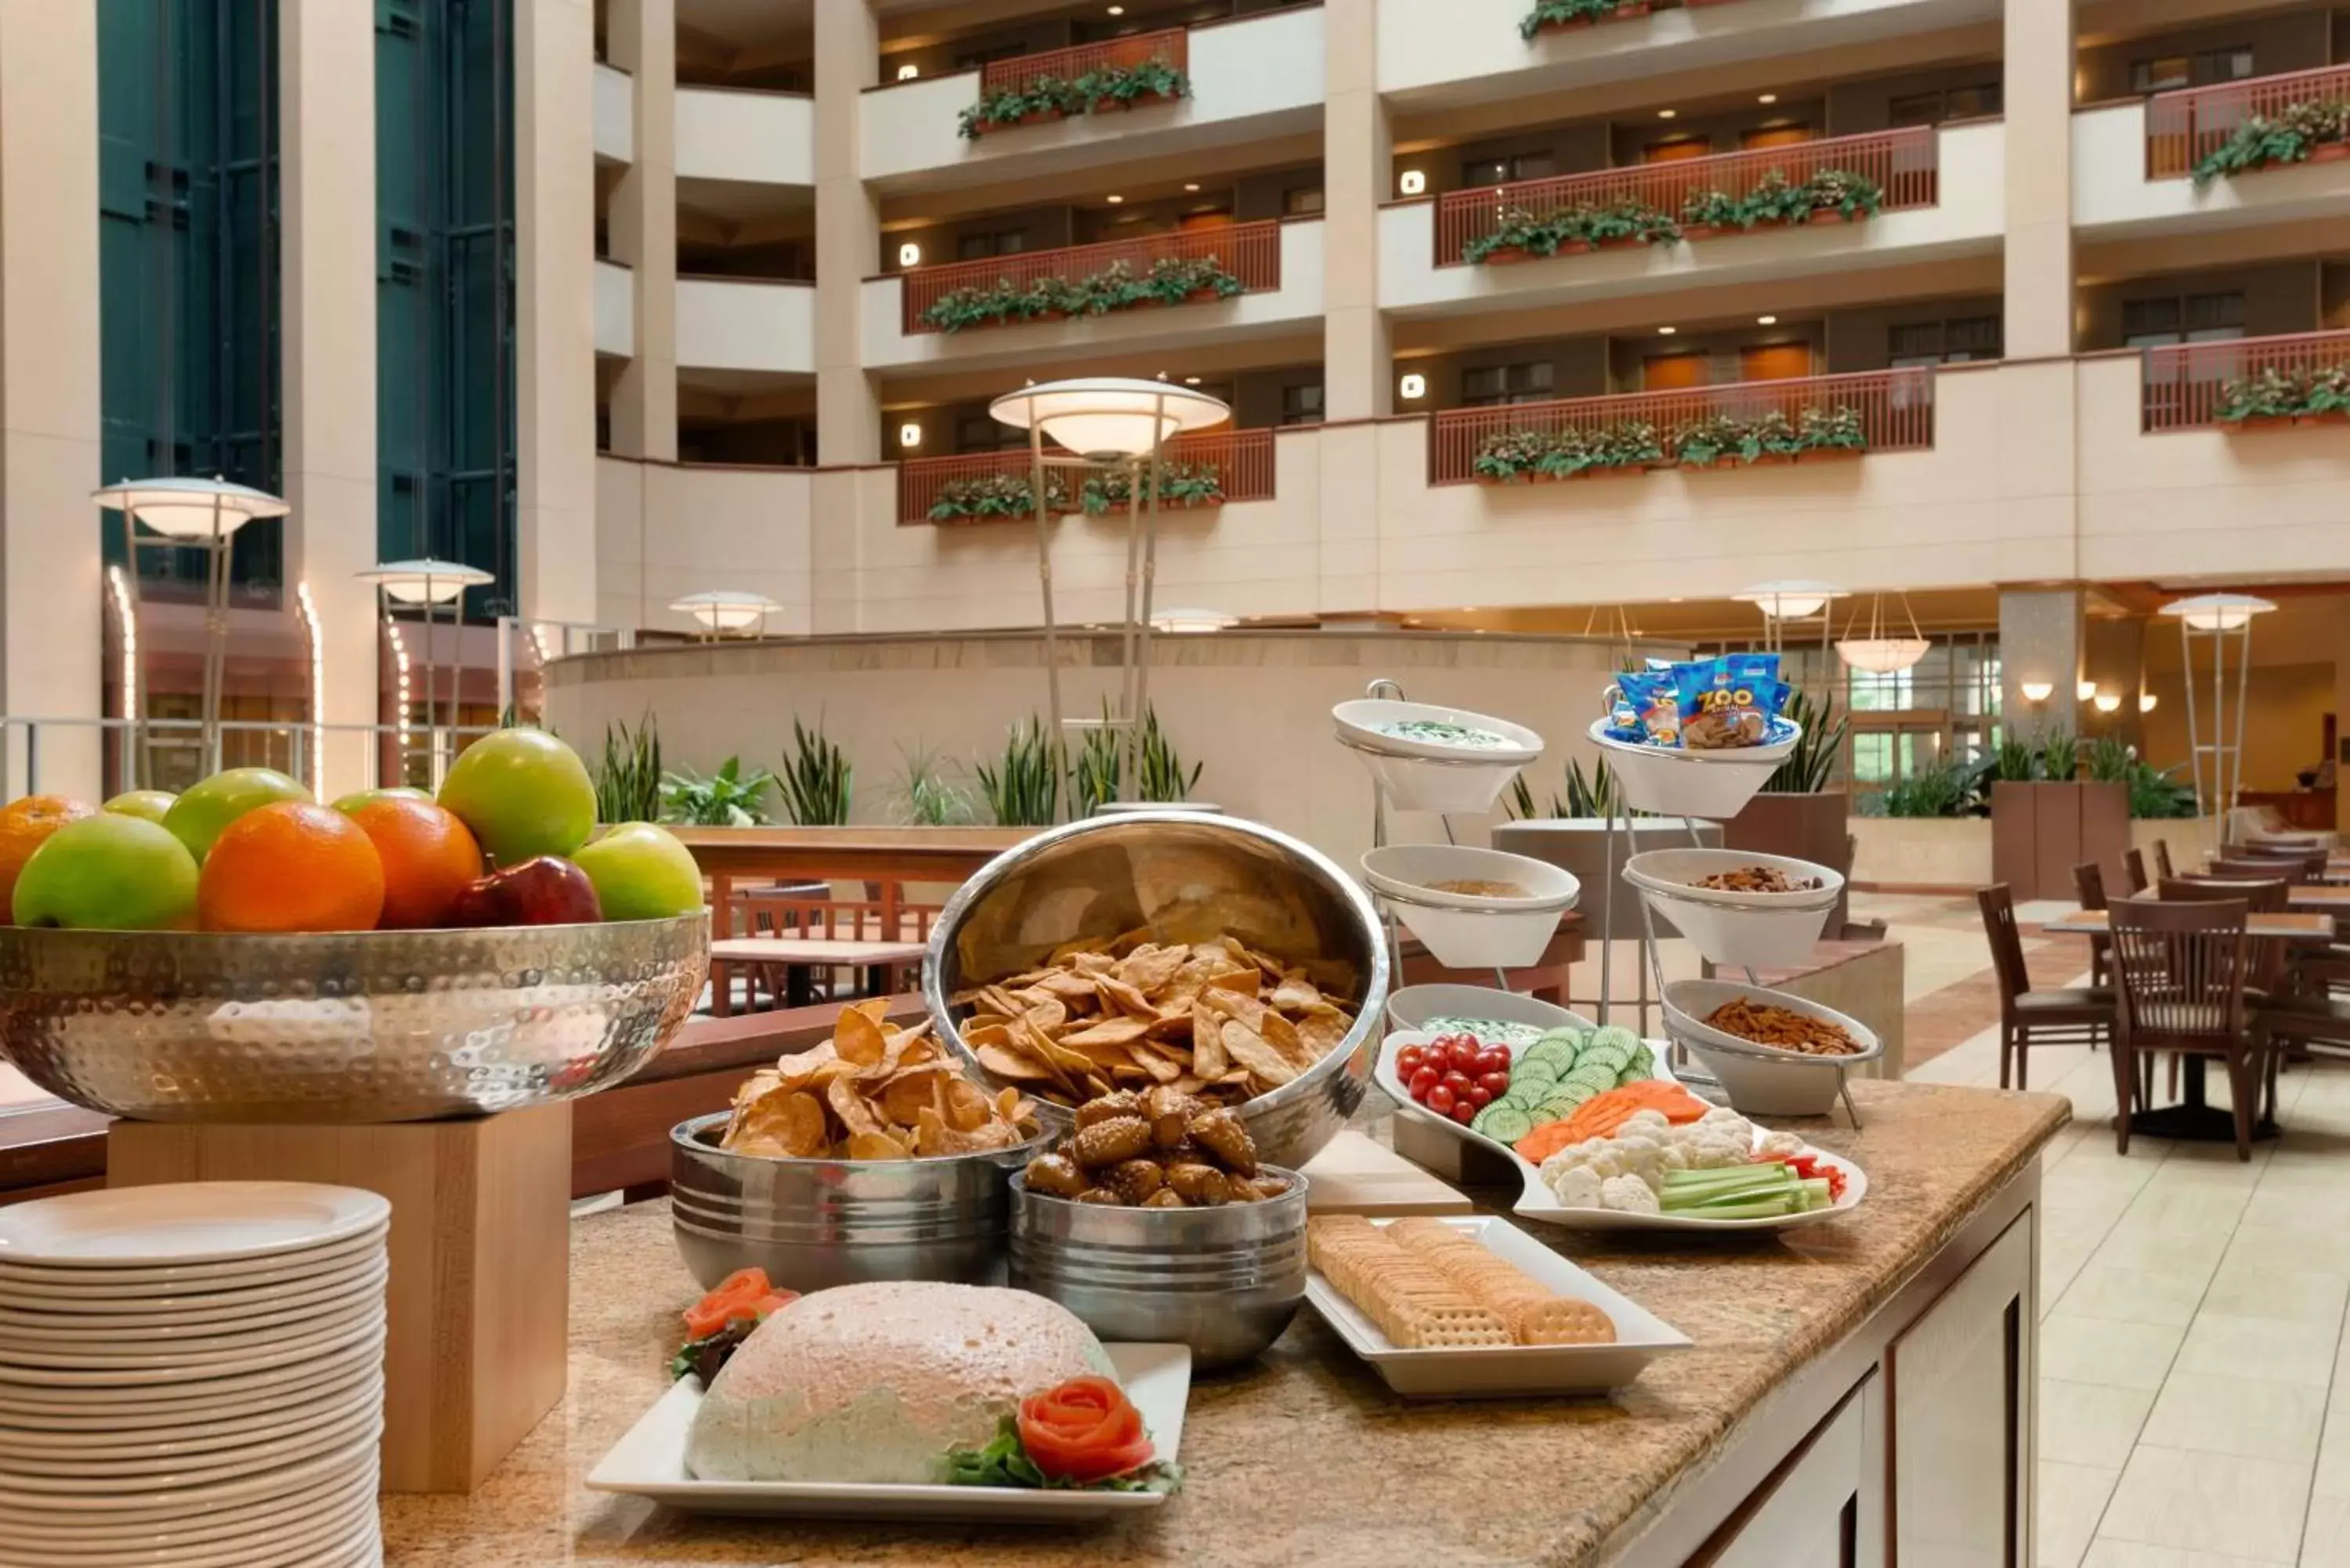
x=1630 y=1194
x=1782 y=1143
x=1676 y=1154
x=1575 y=1187
x=1646 y=1124
x=1637 y=1155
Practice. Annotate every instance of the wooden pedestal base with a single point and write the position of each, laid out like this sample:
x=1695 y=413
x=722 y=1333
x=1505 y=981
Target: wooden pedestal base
x=480 y=1263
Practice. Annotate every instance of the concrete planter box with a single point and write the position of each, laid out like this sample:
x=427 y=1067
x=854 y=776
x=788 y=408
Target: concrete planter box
x=2041 y=831
x=1812 y=827
x=1938 y=852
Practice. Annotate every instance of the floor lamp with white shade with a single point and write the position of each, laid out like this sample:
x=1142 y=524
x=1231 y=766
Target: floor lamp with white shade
x=420 y=585
x=721 y=610
x=2218 y=617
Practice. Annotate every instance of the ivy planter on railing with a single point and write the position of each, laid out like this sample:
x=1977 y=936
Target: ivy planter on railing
x=1180 y=484
x=1521 y=233
x=1716 y=439
x=1829 y=197
x=992 y=497
x=1571 y=231
x=1565 y=16
x=2315 y=131
x=1171 y=280
x=2278 y=395
x=1045 y=98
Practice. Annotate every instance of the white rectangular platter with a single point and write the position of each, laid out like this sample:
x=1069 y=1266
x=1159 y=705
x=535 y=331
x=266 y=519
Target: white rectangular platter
x=650 y=1461
x=1504 y=1371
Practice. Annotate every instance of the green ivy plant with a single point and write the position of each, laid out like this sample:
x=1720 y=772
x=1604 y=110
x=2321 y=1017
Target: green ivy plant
x=1553 y=14
x=1706 y=440
x=1831 y=430
x=1508 y=456
x=993 y=495
x=1775 y=199
x=1711 y=438
x=1115 y=87
x=1171 y=280
x=1585 y=223
x=1515 y=228
x=1179 y=484
x=1123 y=86
x=2275 y=392
x=2289 y=136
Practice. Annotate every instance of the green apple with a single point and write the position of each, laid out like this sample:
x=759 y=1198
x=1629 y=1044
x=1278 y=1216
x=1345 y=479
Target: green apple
x=524 y=794
x=200 y=814
x=641 y=873
x=109 y=873
x=150 y=803
x=360 y=797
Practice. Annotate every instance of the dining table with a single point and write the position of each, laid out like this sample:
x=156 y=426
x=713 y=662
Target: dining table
x=799 y=958
x=2194 y=1119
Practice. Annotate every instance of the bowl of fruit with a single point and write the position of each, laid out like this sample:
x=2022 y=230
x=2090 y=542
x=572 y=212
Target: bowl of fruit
x=241 y=952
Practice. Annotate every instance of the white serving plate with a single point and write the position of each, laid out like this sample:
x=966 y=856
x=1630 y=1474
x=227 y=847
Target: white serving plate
x=178 y=1408
x=44 y=1450
x=1502 y=1371
x=186 y=1222
x=1537 y=1201
x=127 y=1478
x=1671 y=782
x=650 y=1461
x=1736 y=929
x=165 y=1541
x=170 y=1317
x=1761 y=1080
x=306 y=1539
x=1411 y=1006
x=1420 y=775
x=78 y=1286
x=1465 y=930
x=28 y=1512
x=135 y=1375
x=153 y=1395
x=75 y=1346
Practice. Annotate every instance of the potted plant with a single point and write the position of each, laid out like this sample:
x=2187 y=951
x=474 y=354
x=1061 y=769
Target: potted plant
x=1180 y=484
x=1631 y=446
x=1508 y=456
x=1830 y=432
x=1768 y=437
x=1775 y=201
x=2325 y=395
x=2045 y=818
x=1627 y=221
x=2269 y=395
x=1042 y=100
x=1710 y=212
x=1123 y=86
x=1711 y=441
x=991 y=496
x=1841 y=196
x=2297 y=133
x=1564 y=15
x=1566 y=453
x=1518 y=235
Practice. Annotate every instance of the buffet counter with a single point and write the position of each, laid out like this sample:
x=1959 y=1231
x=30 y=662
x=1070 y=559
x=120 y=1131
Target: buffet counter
x=1779 y=1439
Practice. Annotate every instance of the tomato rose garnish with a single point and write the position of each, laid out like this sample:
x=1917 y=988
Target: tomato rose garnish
x=739 y=1295
x=1085 y=1430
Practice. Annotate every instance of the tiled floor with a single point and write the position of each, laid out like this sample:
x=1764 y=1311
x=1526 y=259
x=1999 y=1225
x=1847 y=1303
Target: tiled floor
x=2195 y=1387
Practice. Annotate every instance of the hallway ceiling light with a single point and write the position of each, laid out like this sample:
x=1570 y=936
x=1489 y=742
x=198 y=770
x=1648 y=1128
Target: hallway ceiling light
x=1191 y=380
x=1411 y=183
x=2084 y=690
x=1667 y=331
x=1877 y=653
x=910 y=434
x=1113 y=201
x=725 y=609
x=2218 y=612
x=1667 y=113
x=424 y=581
x=1118 y=10
x=1790 y=600
x=1767 y=98
x=1185 y=622
x=2036 y=690
x=191 y=508
x=1766 y=321
x=2108 y=701
x=1191 y=185
x=1110 y=416
x=909 y=254
x=2146 y=701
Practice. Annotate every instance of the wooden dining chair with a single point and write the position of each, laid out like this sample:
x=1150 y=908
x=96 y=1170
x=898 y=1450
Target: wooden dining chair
x=2182 y=971
x=2162 y=858
x=2063 y=1016
x=2259 y=867
x=2089 y=883
x=2134 y=865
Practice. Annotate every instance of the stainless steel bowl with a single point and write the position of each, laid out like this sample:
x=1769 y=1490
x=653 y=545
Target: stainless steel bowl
x=1188 y=876
x=815 y=1223
x=1223 y=1281
x=348 y=1027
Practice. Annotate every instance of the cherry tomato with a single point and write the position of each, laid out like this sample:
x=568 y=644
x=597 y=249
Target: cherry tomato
x=1442 y=1099
x=1456 y=1080
x=1493 y=1083
x=1462 y=1112
x=1407 y=1062
x=1422 y=1081
x=1466 y=1054
x=1479 y=1096
x=1493 y=1059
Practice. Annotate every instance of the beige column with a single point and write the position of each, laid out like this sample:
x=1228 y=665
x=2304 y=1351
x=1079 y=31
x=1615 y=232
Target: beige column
x=2040 y=45
x=327 y=337
x=554 y=309
x=2040 y=642
x=52 y=583
x=848 y=233
x=642 y=41
x=1358 y=369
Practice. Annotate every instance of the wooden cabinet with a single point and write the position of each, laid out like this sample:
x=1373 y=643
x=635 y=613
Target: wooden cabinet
x=1825 y=1506
x=1961 y=1384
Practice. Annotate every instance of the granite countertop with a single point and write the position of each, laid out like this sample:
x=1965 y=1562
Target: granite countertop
x=1307 y=1456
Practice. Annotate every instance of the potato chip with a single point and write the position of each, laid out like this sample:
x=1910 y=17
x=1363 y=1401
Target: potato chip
x=1109 y=1031
x=858 y=1038
x=863 y=1094
x=967 y=1107
x=877 y=1146
x=1282 y=1035
x=1207 y=1040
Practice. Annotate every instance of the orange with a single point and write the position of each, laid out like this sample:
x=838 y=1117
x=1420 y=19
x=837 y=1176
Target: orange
x=291 y=867
x=25 y=827
x=429 y=858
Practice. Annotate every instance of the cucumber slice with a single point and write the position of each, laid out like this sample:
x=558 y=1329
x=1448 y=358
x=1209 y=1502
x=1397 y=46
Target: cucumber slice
x=1612 y=1057
x=1598 y=1075
x=1506 y=1123
x=1564 y=1034
x=1561 y=1057
x=1616 y=1035
x=1569 y=1098
x=1643 y=1064
x=1536 y=1067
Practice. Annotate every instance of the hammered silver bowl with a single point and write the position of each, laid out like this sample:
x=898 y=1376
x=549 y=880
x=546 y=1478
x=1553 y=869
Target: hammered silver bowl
x=1184 y=877
x=347 y=1027
x=1224 y=1280
x=815 y=1223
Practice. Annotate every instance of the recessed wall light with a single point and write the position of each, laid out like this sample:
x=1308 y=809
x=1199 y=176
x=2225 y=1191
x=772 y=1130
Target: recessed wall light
x=909 y=254
x=2084 y=690
x=1667 y=113
x=1768 y=98
x=909 y=435
x=1118 y=10
x=1766 y=321
x=1411 y=183
x=1113 y=201
x=1412 y=388
x=2146 y=701
x=908 y=73
x=1191 y=380
x=1191 y=185
x=2036 y=690
x=1667 y=331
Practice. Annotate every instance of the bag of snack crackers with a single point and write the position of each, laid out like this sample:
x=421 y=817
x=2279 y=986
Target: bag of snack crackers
x=1728 y=702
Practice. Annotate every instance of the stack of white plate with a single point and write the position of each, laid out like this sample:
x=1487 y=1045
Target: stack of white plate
x=193 y=1377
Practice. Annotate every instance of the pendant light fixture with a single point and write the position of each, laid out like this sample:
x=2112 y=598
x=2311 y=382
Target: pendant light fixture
x=1877 y=653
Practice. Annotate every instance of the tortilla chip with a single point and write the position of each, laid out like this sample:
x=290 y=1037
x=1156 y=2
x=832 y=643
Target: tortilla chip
x=1242 y=979
x=1109 y=1031
x=1249 y=1049
x=1322 y=1029
x=1208 y=1059
x=1296 y=993
x=1282 y=1035
x=1001 y=1062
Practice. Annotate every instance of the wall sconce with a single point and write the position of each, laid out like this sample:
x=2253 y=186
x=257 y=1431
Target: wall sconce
x=1412 y=182
x=908 y=73
x=2036 y=690
x=2146 y=701
x=1412 y=388
x=2085 y=691
x=909 y=435
x=2108 y=701
x=909 y=254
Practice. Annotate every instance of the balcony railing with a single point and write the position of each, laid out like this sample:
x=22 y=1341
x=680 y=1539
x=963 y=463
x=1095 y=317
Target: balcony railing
x=2186 y=383
x=1242 y=460
x=1023 y=71
x=1895 y=409
x=1906 y=163
x=1250 y=251
x=2184 y=127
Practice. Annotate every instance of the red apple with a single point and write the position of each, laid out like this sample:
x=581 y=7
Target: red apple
x=545 y=891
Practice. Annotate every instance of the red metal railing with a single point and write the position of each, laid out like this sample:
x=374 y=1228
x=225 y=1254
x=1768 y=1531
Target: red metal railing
x=1895 y=409
x=1250 y=251
x=1242 y=460
x=2184 y=382
x=2185 y=127
x=1905 y=162
x=1022 y=71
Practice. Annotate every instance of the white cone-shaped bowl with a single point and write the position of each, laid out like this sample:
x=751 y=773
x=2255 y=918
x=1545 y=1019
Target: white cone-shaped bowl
x=1672 y=782
x=1735 y=929
x=1422 y=775
x=1468 y=930
x=1762 y=1080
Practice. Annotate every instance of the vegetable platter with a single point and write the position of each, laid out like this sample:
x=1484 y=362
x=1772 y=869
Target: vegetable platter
x=1639 y=1153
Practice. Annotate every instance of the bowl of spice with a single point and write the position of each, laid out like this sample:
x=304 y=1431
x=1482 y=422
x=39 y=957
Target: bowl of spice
x=1775 y=1053
x=1737 y=906
x=1472 y=908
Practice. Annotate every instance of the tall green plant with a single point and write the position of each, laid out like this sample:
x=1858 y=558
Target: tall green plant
x=1810 y=766
x=1099 y=765
x=1160 y=766
x=817 y=779
x=2110 y=760
x=629 y=779
x=2014 y=762
x=2158 y=793
x=2060 y=757
x=1023 y=788
x=1944 y=791
x=727 y=798
x=927 y=792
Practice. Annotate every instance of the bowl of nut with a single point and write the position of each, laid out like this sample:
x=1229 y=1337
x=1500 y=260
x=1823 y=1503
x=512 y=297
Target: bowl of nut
x=1153 y=1220
x=1736 y=906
